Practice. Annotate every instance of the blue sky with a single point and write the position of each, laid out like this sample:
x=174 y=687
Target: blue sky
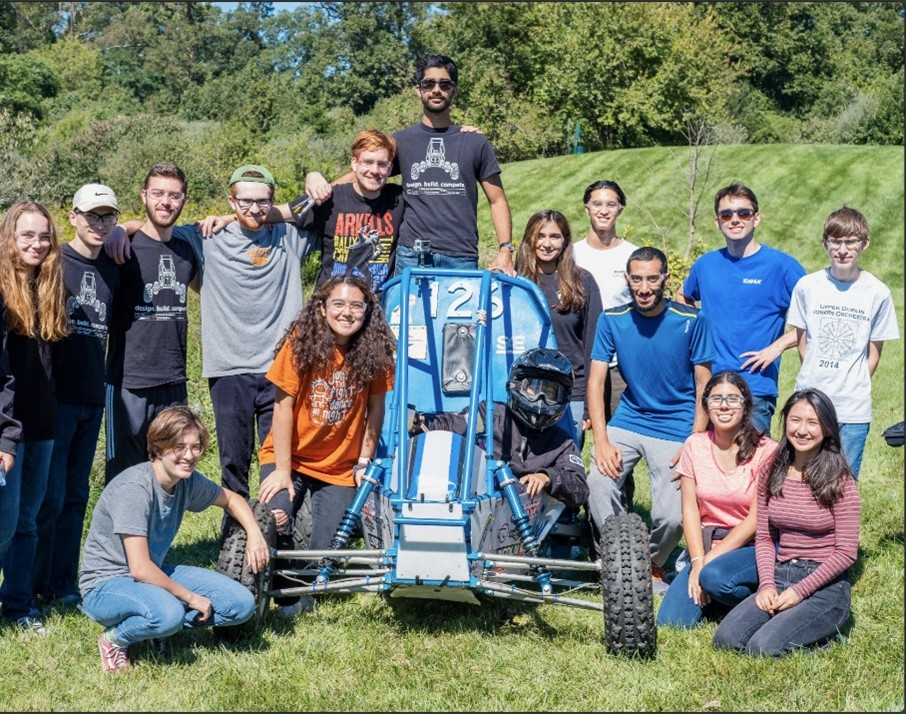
x=278 y=6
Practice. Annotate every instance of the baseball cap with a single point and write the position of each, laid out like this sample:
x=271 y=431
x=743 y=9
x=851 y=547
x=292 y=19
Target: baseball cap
x=94 y=195
x=247 y=173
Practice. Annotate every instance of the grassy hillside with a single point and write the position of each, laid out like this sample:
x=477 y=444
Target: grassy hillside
x=360 y=654
x=797 y=187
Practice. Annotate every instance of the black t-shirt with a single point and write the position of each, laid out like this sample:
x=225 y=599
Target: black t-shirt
x=574 y=330
x=35 y=399
x=345 y=245
x=149 y=332
x=441 y=171
x=91 y=294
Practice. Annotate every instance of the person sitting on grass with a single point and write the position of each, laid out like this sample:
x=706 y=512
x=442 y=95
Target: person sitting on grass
x=124 y=582
x=718 y=470
x=806 y=538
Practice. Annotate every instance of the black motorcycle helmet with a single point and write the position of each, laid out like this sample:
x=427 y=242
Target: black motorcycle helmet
x=539 y=387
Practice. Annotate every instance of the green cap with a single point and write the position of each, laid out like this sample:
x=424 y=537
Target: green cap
x=253 y=173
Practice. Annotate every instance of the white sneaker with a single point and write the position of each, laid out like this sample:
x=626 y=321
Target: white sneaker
x=306 y=603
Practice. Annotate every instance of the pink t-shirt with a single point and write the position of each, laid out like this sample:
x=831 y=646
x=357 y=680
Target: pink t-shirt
x=724 y=497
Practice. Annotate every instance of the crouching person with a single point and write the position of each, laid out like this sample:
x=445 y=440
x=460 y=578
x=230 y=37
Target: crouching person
x=124 y=582
x=540 y=453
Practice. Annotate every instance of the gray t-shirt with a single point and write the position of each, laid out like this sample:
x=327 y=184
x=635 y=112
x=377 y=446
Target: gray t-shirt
x=134 y=503
x=251 y=291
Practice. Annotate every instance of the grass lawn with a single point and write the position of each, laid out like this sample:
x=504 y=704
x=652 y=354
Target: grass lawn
x=362 y=653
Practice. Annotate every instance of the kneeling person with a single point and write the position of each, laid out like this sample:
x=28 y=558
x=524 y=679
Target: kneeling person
x=541 y=454
x=124 y=582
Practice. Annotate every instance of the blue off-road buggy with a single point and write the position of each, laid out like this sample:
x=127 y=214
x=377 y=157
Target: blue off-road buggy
x=439 y=517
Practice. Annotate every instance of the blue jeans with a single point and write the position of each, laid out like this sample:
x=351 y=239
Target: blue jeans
x=140 y=611
x=763 y=408
x=62 y=514
x=30 y=471
x=407 y=258
x=728 y=579
x=814 y=621
x=576 y=410
x=852 y=439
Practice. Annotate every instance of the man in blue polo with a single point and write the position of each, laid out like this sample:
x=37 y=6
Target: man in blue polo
x=665 y=353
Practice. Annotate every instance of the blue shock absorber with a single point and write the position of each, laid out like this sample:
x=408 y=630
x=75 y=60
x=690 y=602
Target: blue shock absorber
x=351 y=516
x=523 y=524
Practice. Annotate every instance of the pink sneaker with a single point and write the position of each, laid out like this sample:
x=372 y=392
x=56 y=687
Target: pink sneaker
x=113 y=657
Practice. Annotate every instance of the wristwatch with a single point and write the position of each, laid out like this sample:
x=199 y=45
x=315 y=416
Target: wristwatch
x=506 y=244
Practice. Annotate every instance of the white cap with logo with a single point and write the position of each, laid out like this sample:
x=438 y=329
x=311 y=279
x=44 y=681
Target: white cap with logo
x=94 y=195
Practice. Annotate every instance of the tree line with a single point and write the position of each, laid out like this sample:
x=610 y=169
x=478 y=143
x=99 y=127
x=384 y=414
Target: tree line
x=99 y=91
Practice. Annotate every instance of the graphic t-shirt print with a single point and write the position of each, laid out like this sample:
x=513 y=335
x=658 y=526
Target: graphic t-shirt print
x=330 y=399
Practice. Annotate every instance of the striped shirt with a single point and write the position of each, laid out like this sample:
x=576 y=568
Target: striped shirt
x=795 y=526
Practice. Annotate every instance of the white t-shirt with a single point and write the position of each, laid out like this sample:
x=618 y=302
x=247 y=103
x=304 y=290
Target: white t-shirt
x=608 y=268
x=840 y=319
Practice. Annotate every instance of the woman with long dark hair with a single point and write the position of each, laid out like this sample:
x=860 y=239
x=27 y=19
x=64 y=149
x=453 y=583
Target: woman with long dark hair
x=806 y=539
x=719 y=469
x=546 y=258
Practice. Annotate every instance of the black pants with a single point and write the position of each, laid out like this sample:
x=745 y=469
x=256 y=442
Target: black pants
x=128 y=415
x=240 y=401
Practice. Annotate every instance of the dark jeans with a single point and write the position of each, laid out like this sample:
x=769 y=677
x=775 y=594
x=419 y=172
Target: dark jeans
x=763 y=408
x=129 y=413
x=320 y=506
x=239 y=401
x=62 y=514
x=32 y=465
x=814 y=621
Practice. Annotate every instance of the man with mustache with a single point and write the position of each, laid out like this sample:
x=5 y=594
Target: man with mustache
x=665 y=352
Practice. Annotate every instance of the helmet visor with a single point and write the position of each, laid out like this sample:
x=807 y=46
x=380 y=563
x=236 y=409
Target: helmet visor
x=538 y=388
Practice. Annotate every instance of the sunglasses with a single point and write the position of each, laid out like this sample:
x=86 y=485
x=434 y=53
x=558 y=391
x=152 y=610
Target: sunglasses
x=426 y=85
x=727 y=214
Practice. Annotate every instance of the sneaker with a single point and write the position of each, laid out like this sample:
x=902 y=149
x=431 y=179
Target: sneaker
x=69 y=599
x=113 y=657
x=306 y=603
x=660 y=581
x=31 y=623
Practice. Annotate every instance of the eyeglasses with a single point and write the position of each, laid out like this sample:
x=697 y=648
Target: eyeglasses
x=339 y=306
x=33 y=238
x=371 y=164
x=726 y=215
x=850 y=244
x=733 y=401
x=158 y=195
x=262 y=203
x=598 y=205
x=92 y=217
x=650 y=279
x=426 y=85
x=194 y=449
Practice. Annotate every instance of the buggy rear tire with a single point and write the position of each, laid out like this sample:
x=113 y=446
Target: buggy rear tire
x=232 y=563
x=629 y=626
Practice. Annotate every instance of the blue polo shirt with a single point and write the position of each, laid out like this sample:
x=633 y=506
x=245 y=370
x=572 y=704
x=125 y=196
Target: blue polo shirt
x=657 y=356
x=746 y=301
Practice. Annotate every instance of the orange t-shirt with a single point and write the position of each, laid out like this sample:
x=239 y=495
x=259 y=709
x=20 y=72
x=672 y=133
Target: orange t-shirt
x=329 y=417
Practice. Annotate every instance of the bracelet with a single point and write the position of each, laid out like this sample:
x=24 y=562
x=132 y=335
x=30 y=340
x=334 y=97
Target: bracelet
x=508 y=244
x=362 y=464
x=697 y=557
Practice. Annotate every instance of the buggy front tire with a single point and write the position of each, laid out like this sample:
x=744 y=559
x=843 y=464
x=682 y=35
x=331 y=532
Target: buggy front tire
x=629 y=626
x=232 y=562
